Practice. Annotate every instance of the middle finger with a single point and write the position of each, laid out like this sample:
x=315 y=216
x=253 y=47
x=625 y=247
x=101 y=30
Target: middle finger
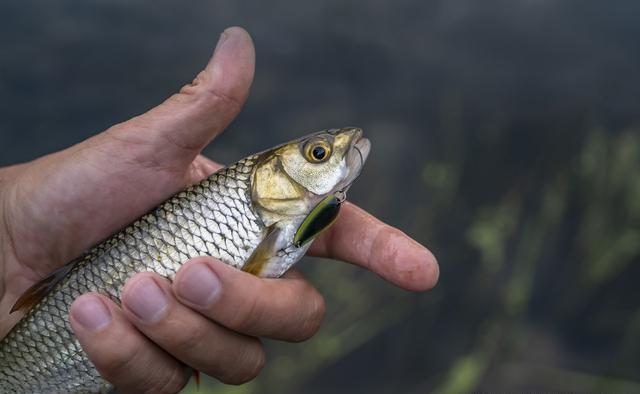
x=289 y=308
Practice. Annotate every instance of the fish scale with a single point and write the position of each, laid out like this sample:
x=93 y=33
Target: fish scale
x=41 y=354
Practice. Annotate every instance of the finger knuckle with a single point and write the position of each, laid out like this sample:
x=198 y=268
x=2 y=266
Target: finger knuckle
x=249 y=365
x=189 y=338
x=203 y=92
x=259 y=361
x=313 y=320
x=169 y=383
x=112 y=364
x=246 y=316
x=213 y=97
x=122 y=366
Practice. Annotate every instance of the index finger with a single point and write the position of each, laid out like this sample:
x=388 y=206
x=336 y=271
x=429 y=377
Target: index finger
x=359 y=238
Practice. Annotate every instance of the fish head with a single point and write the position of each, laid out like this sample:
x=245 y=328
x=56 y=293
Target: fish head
x=326 y=162
x=291 y=179
x=297 y=189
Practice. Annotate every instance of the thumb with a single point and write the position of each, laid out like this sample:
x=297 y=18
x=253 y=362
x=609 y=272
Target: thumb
x=178 y=129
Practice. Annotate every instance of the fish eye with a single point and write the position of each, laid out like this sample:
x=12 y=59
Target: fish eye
x=317 y=151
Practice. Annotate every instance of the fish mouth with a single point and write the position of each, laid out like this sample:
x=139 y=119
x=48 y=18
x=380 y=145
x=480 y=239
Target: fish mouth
x=356 y=157
x=363 y=146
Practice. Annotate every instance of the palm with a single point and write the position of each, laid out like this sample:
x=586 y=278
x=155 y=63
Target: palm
x=58 y=208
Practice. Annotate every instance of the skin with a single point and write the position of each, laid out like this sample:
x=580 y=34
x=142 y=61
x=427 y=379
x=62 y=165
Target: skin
x=211 y=316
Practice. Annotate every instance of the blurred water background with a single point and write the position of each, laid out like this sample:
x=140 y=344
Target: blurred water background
x=505 y=137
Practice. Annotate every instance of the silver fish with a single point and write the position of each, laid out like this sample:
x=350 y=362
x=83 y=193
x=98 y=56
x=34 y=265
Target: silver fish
x=258 y=215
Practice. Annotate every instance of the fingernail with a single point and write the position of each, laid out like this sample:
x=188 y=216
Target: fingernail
x=228 y=40
x=146 y=300
x=198 y=285
x=91 y=313
x=221 y=40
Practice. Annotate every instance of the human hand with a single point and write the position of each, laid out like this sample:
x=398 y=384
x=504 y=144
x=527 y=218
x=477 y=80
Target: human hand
x=209 y=318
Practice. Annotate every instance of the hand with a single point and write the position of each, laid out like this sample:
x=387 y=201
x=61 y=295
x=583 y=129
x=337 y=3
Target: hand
x=209 y=318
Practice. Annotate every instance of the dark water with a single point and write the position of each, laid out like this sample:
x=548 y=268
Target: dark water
x=505 y=137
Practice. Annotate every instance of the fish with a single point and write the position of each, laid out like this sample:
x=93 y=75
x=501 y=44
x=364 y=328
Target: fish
x=259 y=215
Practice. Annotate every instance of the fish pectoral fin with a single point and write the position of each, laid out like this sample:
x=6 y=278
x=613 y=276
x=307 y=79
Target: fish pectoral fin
x=40 y=289
x=264 y=252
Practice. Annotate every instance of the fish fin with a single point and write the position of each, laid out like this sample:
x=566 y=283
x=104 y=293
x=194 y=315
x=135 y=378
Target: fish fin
x=196 y=378
x=264 y=252
x=40 y=289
